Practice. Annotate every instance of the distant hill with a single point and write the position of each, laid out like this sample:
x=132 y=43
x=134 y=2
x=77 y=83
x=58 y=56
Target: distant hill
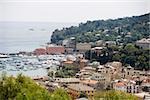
x=128 y=29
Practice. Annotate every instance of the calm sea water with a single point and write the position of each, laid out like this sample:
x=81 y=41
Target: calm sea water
x=26 y=36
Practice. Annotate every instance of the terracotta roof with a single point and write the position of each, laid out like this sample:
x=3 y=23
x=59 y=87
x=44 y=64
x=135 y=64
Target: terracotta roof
x=119 y=84
x=55 y=49
x=80 y=87
x=89 y=81
x=40 y=49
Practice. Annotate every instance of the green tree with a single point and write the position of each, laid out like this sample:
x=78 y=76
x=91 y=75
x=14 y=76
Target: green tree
x=24 y=88
x=114 y=95
x=60 y=94
x=116 y=57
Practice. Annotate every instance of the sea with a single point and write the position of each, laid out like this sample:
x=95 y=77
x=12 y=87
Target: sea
x=26 y=36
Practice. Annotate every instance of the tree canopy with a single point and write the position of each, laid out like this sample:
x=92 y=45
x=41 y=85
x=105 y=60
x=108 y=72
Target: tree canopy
x=24 y=88
x=123 y=30
x=128 y=54
x=114 y=95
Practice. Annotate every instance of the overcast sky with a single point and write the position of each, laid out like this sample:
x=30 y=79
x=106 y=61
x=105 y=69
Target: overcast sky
x=70 y=10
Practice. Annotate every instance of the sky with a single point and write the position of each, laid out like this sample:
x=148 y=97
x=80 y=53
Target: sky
x=70 y=10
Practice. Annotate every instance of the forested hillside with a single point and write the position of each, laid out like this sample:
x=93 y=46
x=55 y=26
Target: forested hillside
x=128 y=29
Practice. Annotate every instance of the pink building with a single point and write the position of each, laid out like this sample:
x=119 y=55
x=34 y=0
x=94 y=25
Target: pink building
x=40 y=51
x=55 y=49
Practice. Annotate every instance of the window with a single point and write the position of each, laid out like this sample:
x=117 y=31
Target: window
x=106 y=71
x=130 y=87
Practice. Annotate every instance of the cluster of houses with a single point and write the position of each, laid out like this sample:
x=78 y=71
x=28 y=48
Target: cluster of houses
x=70 y=46
x=93 y=77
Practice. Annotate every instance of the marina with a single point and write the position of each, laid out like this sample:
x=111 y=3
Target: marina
x=32 y=66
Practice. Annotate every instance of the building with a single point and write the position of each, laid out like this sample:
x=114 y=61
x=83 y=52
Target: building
x=110 y=43
x=99 y=77
x=97 y=50
x=70 y=61
x=63 y=81
x=89 y=82
x=120 y=86
x=84 y=74
x=99 y=43
x=69 y=43
x=125 y=85
x=40 y=51
x=75 y=90
x=89 y=69
x=146 y=97
x=69 y=50
x=116 y=64
x=129 y=72
x=145 y=86
x=143 y=43
x=55 y=49
x=83 y=63
x=101 y=69
x=107 y=70
x=132 y=87
x=94 y=64
x=82 y=47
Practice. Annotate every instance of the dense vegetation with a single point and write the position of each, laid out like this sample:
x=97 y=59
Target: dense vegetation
x=128 y=54
x=123 y=30
x=114 y=95
x=23 y=88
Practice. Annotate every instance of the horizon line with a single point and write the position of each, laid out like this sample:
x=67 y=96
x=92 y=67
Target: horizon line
x=73 y=1
x=78 y=22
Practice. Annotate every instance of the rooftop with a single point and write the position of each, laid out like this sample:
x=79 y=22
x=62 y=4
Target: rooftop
x=80 y=87
x=67 y=80
x=97 y=48
x=100 y=66
x=144 y=40
x=84 y=60
x=89 y=68
x=89 y=82
x=119 y=84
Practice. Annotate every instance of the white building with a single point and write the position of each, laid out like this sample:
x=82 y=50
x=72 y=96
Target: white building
x=120 y=86
x=132 y=87
x=144 y=43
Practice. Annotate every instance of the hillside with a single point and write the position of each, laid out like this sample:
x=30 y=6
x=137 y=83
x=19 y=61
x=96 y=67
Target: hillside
x=128 y=29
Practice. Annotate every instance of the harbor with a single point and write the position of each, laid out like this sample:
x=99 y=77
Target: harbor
x=32 y=66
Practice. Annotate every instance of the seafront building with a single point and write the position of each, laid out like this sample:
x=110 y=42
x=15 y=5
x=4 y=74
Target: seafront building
x=50 y=49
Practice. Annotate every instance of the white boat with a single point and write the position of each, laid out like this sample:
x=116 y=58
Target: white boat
x=4 y=56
